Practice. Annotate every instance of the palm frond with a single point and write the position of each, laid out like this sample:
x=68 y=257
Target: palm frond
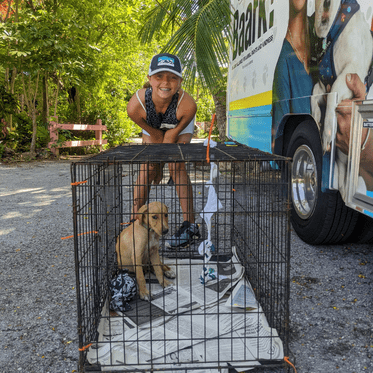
x=155 y=20
x=201 y=41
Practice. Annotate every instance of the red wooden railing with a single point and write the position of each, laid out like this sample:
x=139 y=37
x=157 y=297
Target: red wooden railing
x=53 y=131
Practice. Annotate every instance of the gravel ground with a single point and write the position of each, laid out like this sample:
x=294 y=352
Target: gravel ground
x=37 y=277
x=331 y=292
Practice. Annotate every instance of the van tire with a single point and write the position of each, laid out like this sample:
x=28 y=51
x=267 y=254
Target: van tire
x=325 y=219
x=363 y=232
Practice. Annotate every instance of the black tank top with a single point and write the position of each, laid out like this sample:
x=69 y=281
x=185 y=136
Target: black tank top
x=164 y=121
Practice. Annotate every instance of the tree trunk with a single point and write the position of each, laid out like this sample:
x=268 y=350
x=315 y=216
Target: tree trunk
x=7 y=79
x=45 y=114
x=57 y=92
x=30 y=99
x=21 y=103
x=77 y=100
x=221 y=114
x=12 y=83
x=9 y=85
x=34 y=124
x=34 y=132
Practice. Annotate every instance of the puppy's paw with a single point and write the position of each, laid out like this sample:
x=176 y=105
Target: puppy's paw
x=144 y=295
x=169 y=273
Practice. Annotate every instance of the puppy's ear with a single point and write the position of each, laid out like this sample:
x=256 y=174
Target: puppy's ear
x=142 y=214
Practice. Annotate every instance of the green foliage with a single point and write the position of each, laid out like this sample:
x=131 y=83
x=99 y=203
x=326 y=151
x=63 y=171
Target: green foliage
x=200 y=35
x=42 y=135
x=65 y=135
x=118 y=70
x=205 y=108
x=120 y=130
x=43 y=40
x=8 y=102
x=2 y=148
x=67 y=112
x=91 y=45
x=19 y=137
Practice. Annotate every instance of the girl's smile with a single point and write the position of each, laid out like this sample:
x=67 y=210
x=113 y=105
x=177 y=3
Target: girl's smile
x=165 y=84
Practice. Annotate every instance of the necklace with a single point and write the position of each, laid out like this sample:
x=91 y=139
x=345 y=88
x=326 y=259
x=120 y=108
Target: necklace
x=303 y=60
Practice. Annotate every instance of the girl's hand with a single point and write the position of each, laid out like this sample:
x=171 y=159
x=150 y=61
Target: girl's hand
x=156 y=136
x=171 y=136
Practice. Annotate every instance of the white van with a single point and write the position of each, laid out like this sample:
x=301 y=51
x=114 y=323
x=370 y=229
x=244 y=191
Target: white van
x=295 y=68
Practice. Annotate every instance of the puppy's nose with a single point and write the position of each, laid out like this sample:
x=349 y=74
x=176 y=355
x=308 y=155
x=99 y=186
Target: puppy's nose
x=326 y=5
x=165 y=231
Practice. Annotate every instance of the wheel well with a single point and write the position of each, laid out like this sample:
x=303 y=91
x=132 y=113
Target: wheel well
x=289 y=124
x=318 y=217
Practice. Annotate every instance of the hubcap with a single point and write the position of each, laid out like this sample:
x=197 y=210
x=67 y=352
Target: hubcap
x=304 y=182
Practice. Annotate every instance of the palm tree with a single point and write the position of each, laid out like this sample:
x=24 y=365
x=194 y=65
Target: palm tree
x=200 y=37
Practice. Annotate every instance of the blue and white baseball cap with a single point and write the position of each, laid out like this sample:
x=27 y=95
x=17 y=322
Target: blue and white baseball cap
x=165 y=62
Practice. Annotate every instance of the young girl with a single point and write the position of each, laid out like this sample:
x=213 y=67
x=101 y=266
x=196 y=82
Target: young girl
x=165 y=112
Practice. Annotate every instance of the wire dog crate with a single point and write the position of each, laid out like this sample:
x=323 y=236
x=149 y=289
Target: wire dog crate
x=227 y=307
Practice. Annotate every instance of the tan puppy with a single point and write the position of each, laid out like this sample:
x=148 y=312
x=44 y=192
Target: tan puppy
x=138 y=246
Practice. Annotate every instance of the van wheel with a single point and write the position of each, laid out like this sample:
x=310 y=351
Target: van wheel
x=317 y=217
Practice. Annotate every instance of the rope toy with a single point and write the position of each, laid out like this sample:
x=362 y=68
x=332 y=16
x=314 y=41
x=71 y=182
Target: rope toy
x=123 y=288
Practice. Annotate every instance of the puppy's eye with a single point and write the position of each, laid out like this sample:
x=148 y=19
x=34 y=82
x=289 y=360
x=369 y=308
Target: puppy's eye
x=155 y=217
x=166 y=215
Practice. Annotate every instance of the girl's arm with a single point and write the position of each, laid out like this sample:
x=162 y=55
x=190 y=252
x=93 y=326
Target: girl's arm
x=136 y=112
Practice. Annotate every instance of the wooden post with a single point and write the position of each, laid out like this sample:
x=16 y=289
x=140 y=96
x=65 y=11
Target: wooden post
x=53 y=134
x=98 y=133
x=53 y=131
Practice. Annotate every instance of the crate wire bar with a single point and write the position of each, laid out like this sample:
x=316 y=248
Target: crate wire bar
x=235 y=322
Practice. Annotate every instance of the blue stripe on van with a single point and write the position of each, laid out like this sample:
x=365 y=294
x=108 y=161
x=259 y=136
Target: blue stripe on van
x=252 y=127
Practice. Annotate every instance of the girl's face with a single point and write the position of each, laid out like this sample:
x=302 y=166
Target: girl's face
x=165 y=84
